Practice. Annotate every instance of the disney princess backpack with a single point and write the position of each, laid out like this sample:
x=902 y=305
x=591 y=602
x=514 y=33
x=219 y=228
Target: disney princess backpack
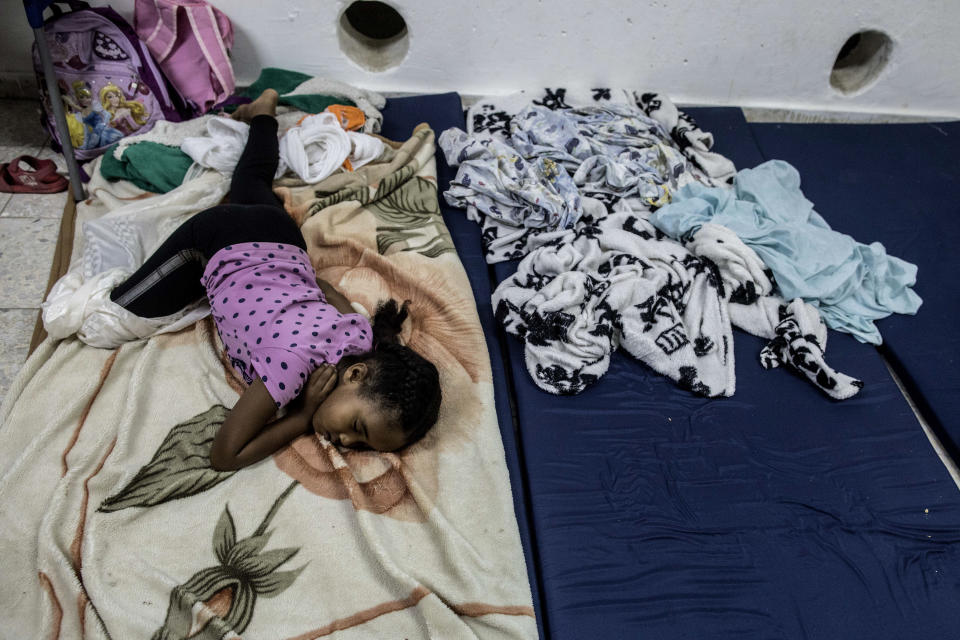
x=110 y=85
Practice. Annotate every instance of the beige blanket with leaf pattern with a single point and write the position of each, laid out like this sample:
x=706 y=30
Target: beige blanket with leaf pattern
x=113 y=525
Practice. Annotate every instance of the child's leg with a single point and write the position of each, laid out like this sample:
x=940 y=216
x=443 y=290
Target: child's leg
x=253 y=177
x=169 y=280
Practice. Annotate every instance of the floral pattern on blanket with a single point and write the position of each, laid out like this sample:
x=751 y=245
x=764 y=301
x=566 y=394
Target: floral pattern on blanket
x=219 y=600
x=406 y=209
x=226 y=593
x=401 y=195
x=180 y=468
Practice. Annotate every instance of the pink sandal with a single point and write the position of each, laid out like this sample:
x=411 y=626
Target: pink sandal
x=41 y=177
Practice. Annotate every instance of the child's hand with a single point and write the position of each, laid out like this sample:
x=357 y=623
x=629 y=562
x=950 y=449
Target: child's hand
x=319 y=385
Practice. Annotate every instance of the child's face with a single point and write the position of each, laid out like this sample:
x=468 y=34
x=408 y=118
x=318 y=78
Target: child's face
x=349 y=419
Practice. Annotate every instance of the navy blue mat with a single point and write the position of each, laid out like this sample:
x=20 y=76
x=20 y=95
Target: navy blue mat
x=441 y=112
x=900 y=185
x=773 y=514
x=731 y=134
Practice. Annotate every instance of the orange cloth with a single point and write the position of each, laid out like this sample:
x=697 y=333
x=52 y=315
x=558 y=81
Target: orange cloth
x=351 y=118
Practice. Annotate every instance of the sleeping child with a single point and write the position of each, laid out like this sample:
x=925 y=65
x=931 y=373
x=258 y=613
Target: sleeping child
x=292 y=336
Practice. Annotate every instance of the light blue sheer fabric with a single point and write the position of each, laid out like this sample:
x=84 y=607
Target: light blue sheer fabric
x=852 y=283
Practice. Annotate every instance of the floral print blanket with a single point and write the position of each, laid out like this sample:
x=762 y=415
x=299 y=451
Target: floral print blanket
x=113 y=524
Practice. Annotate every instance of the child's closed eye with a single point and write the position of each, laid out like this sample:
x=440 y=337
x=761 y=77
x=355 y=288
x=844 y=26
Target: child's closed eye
x=360 y=429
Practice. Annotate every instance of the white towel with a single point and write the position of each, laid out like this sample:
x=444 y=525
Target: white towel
x=366 y=149
x=313 y=150
x=316 y=148
x=583 y=293
x=220 y=149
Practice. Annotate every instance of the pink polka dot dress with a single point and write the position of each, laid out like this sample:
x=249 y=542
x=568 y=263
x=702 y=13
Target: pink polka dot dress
x=273 y=318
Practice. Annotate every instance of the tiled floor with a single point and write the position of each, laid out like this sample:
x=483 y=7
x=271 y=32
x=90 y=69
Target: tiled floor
x=28 y=234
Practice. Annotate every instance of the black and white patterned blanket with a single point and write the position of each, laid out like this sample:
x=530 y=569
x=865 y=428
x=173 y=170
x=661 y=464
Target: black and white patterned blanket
x=518 y=154
x=566 y=180
x=615 y=281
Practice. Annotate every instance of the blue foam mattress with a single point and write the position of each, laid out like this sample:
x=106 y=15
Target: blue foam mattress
x=900 y=185
x=776 y=513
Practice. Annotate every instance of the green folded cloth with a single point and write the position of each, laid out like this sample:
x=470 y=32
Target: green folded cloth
x=151 y=166
x=285 y=81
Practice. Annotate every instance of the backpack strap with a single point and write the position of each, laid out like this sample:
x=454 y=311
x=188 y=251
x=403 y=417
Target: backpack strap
x=157 y=26
x=203 y=21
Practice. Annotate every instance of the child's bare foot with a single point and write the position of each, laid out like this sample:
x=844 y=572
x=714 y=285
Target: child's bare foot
x=264 y=105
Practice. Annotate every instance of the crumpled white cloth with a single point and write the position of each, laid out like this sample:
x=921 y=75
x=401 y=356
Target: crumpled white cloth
x=316 y=148
x=501 y=184
x=165 y=132
x=126 y=236
x=365 y=149
x=83 y=307
x=798 y=340
x=613 y=283
x=313 y=150
x=494 y=113
x=694 y=141
x=222 y=145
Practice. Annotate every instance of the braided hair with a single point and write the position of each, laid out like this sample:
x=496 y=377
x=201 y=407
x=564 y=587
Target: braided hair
x=401 y=379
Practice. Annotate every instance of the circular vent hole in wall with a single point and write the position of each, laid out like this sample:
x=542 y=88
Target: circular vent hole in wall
x=373 y=34
x=861 y=60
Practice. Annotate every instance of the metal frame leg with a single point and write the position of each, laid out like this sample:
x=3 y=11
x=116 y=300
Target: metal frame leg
x=56 y=103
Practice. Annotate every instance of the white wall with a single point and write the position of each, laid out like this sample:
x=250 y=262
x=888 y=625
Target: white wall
x=732 y=52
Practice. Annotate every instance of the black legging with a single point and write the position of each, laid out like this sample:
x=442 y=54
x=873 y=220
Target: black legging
x=170 y=278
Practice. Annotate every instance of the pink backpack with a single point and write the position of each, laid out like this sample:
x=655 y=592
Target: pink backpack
x=190 y=40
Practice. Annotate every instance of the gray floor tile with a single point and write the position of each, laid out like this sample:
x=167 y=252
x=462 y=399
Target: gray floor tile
x=26 y=253
x=35 y=205
x=10 y=151
x=16 y=328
